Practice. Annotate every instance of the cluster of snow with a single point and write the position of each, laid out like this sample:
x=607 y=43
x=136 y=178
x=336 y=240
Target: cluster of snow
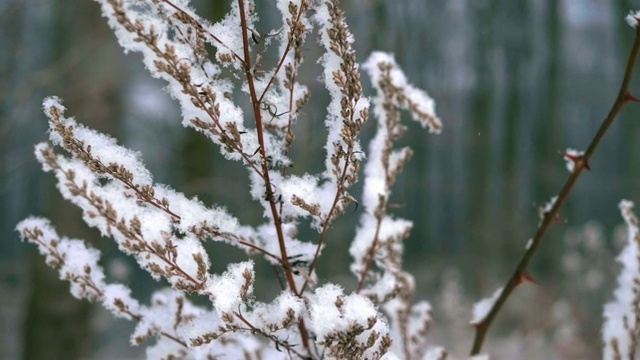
x=331 y=65
x=331 y=312
x=424 y=103
x=621 y=314
x=481 y=308
x=632 y=18
x=226 y=289
x=571 y=155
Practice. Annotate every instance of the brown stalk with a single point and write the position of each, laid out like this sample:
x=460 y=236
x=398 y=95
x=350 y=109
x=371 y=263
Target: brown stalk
x=261 y=250
x=265 y=167
x=516 y=277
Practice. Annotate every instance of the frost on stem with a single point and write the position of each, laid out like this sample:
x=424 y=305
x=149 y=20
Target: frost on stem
x=77 y=263
x=347 y=326
x=157 y=225
x=575 y=157
x=163 y=230
x=632 y=18
x=546 y=209
x=481 y=308
x=621 y=327
x=171 y=41
x=389 y=79
x=379 y=236
x=347 y=111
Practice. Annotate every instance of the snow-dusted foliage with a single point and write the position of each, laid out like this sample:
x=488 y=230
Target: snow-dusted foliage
x=632 y=18
x=621 y=328
x=164 y=230
x=379 y=236
x=482 y=307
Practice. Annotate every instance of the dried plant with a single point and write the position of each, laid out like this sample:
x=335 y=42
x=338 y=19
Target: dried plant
x=164 y=230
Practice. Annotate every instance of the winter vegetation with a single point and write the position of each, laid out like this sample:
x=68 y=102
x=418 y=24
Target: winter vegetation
x=239 y=88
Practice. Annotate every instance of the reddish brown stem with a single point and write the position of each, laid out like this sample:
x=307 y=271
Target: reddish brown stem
x=265 y=167
x=259 y=249
x=622 y=99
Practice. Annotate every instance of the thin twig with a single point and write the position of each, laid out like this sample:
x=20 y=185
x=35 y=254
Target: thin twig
x=520 y=271
x=260 y=250
x=284 y=55
x=87 y=281
x=265 y=167
x=326 y=222
x=168 y=2
x=273 y=338
x=370 y=255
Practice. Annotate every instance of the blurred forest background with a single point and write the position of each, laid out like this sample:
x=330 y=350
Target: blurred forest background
x=516 y=83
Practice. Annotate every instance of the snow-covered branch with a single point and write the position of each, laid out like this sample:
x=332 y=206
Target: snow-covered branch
x=621 y=327
x=247 y=104
x=163 y=230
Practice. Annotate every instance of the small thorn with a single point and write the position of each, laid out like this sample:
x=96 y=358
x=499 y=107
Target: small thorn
x=559 y=219
x=578 y=160
x=524 y=277
x=629 y=97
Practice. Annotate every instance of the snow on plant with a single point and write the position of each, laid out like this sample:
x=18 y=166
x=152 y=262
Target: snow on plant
x=621 y=326
x=577 y=161
x=163 y=230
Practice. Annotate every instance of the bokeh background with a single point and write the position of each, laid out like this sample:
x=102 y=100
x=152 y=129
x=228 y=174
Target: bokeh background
x=516 y=83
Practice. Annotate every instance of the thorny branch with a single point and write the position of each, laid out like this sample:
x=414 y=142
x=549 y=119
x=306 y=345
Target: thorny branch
x=519 y=274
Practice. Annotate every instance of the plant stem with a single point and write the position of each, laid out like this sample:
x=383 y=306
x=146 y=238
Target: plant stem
x=265 y=168
x=520 y=270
